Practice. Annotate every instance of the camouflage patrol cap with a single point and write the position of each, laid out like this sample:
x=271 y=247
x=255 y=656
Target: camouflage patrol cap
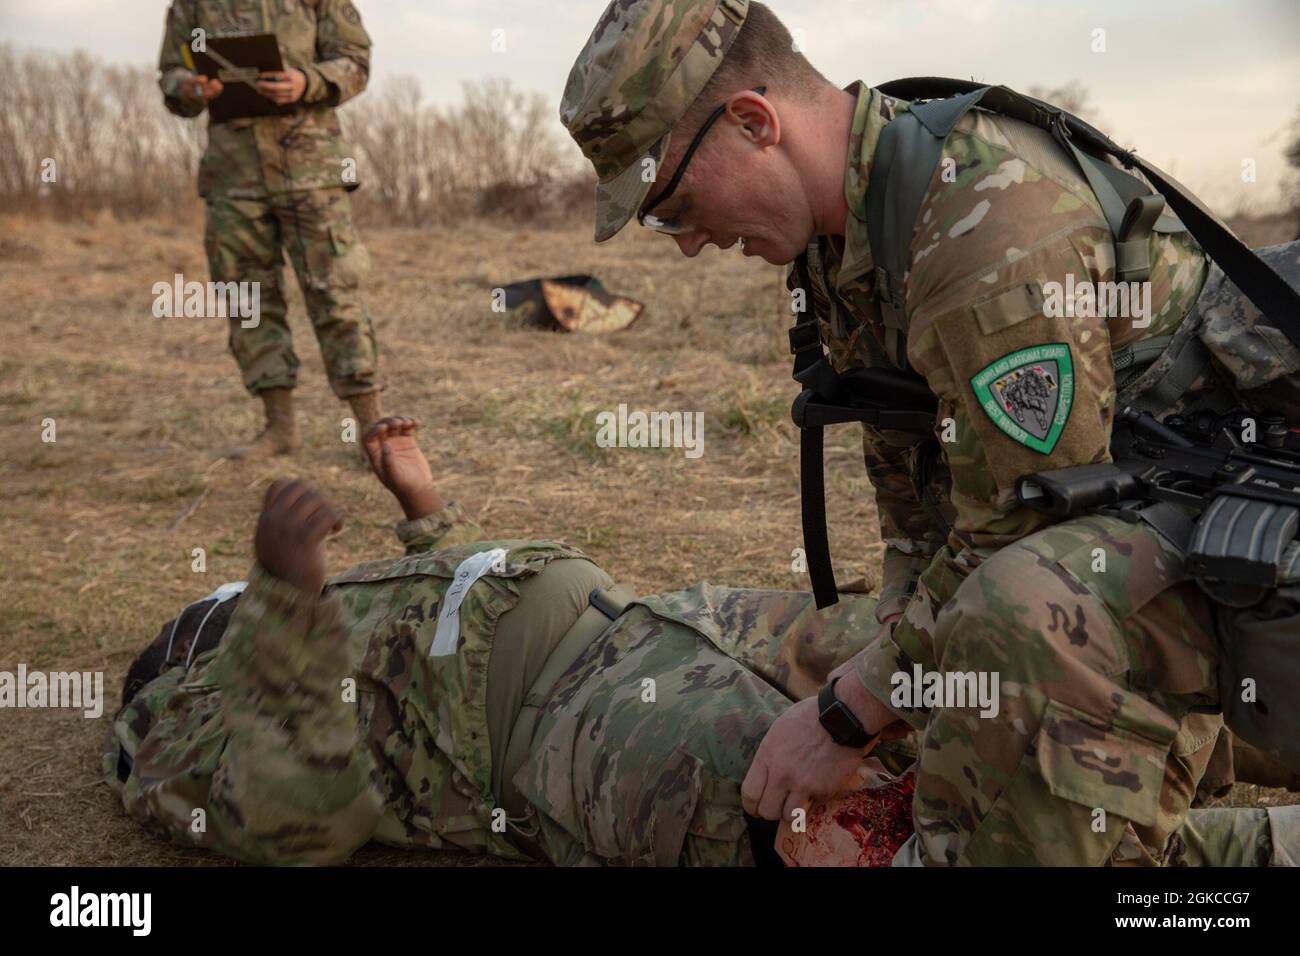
x=645 y=63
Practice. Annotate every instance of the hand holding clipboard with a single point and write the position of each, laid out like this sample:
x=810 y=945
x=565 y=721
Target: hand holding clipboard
x=246 y=77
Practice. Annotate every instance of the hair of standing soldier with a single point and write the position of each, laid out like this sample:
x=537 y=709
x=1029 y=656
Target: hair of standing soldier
x=763 y=54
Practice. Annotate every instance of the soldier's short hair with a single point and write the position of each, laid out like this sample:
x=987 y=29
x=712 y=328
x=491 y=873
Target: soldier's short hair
x=763 y=54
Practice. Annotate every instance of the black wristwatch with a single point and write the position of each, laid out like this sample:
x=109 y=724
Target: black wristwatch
x=845 y=729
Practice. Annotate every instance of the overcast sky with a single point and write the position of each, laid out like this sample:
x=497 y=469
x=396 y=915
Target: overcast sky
x=1196 y=85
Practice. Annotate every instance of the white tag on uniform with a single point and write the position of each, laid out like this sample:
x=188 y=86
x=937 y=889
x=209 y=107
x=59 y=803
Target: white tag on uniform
x=447 y=636
x=227 y=591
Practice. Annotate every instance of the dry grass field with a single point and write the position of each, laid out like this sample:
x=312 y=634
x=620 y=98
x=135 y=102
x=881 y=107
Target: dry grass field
x=98 y=526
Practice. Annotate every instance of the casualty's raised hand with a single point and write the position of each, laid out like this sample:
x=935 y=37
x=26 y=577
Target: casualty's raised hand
x=400 y=465
x=291 y=532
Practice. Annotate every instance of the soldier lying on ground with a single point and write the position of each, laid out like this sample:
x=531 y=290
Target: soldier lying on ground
x=479 y=695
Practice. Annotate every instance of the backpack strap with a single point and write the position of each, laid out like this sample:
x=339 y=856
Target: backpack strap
x=904 y=162
x=1131 y=209
x=909 y=150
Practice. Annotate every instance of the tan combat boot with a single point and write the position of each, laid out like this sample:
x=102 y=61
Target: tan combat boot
x=280 y=437
x=366 y=409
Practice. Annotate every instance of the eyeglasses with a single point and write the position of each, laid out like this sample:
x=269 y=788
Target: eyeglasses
x=675 y=226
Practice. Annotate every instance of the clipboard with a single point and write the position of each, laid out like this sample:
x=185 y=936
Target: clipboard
x=237 y=60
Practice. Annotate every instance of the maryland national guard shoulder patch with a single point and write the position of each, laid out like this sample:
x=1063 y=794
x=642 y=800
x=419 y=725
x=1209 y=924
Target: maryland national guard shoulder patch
x=1028 y=394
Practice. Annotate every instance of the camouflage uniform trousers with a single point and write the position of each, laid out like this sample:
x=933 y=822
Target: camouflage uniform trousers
x=641 y=746
x=246 y=240
x=1107 y=712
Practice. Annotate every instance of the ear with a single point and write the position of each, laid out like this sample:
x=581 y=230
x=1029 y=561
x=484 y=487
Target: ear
x=757 y=117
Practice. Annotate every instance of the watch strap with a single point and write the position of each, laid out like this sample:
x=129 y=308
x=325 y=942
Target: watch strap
x=840 y=722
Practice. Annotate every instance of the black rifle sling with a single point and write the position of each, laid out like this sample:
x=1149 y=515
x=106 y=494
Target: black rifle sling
x=828 y=398
x=815 y=374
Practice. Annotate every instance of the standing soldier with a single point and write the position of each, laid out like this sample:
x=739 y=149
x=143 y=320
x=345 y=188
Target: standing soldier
x=277 y=184
x=705 y=122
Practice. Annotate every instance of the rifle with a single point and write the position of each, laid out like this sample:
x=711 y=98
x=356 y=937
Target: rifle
x=1245 y=495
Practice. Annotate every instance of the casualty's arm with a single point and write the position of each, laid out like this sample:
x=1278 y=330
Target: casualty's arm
x=294 y=784
x=401 y=467
x=443 y=528
x=259 y=756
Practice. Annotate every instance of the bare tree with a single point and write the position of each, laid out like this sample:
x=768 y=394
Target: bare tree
x=1291 y=182
x=77 y=136
x=107 y=142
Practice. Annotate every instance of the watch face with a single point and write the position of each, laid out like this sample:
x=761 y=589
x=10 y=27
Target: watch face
x=837 y=722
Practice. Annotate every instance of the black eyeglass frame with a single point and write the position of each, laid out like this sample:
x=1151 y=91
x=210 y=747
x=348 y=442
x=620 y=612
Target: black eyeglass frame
x=668 y=226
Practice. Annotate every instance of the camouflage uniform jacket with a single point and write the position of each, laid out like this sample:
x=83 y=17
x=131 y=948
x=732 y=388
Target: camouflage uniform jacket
x=262 y=735
x=285 y=768
x=1015 y=216
x=252 y=157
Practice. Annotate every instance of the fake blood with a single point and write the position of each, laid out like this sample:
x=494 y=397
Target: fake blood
x=880 y=821
x=861 y=828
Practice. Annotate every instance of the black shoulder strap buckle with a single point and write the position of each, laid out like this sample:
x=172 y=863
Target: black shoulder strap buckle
x=804 y=336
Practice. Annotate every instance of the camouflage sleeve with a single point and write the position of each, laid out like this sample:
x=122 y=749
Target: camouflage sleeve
x=342 y=66
x=1005 y=322
x=172 y=68
x=1023 y=390
x=1020 y=391
x=1008 y=322
x=442 y=529
x=1021 y=387
x=908 y=532
x=262 y=742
